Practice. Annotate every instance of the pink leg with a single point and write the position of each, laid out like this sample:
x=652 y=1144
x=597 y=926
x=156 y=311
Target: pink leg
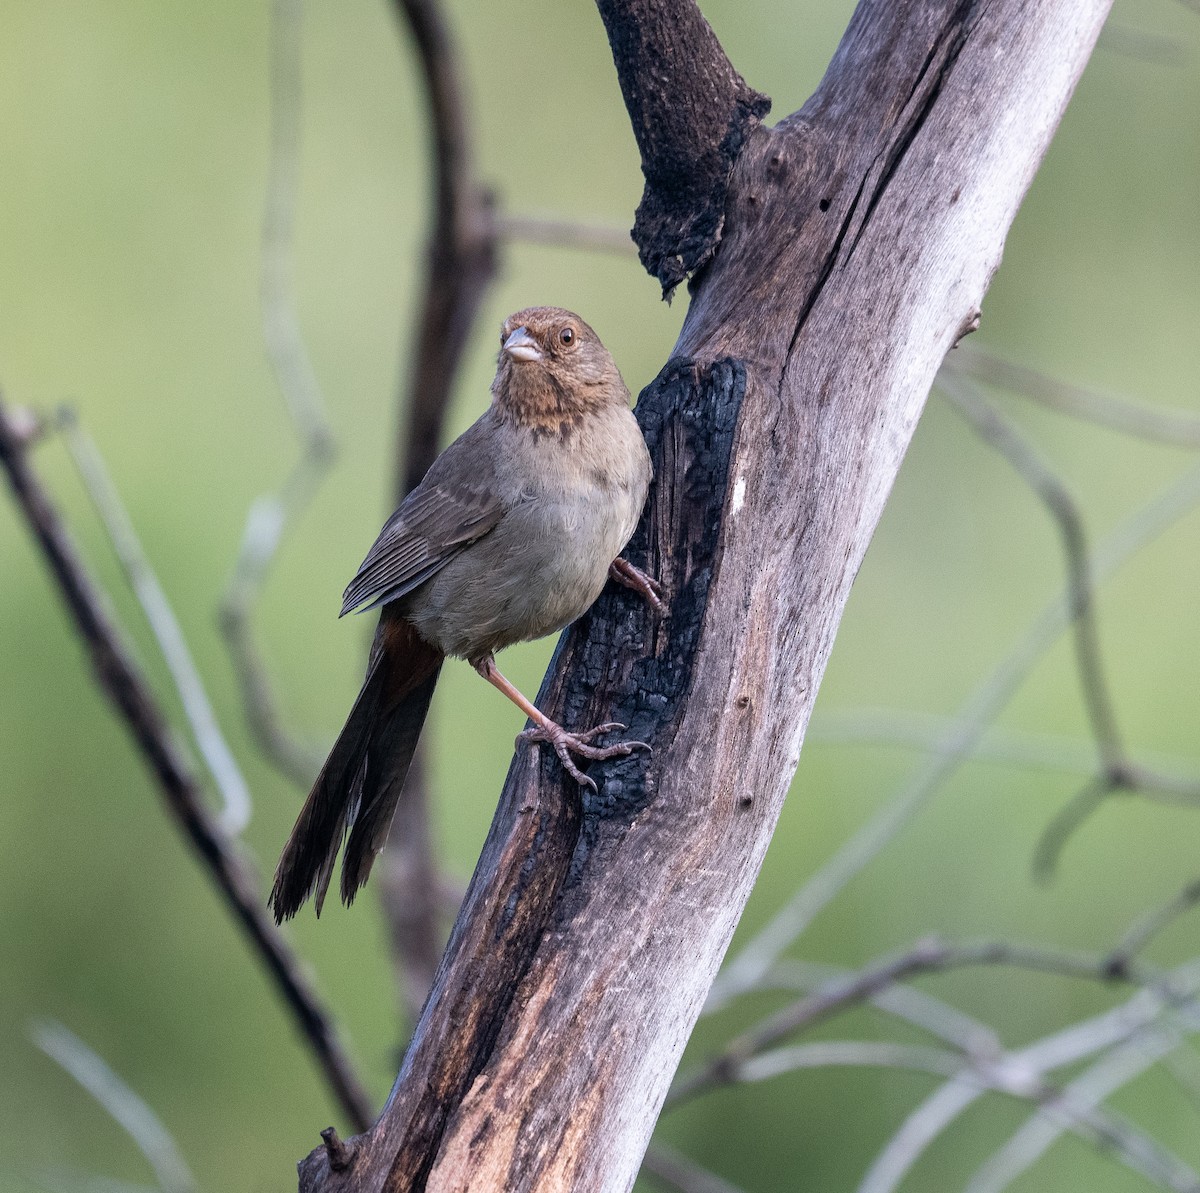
x=565 y=743
x=624 y=572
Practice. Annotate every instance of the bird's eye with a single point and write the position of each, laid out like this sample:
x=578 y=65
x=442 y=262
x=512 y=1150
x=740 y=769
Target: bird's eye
x=567 y=336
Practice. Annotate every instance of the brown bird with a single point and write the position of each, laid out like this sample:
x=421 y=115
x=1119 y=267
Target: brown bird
x=510 y=536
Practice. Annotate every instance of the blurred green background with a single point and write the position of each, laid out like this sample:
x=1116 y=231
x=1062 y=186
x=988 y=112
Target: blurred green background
x=133 y=137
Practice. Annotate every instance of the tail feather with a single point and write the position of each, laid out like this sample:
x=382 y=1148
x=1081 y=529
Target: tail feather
x=360 y=783
x=389 y=755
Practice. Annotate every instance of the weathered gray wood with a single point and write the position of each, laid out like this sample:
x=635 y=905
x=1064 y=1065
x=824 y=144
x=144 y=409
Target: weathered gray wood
x=859 y=239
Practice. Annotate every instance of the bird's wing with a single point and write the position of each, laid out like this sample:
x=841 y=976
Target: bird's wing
x=433 y=524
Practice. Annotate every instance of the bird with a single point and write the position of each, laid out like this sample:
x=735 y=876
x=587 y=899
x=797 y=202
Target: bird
x=510 y=536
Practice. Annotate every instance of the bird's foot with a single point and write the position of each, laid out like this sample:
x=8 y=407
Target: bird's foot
x=631 y=576
x=565 y=744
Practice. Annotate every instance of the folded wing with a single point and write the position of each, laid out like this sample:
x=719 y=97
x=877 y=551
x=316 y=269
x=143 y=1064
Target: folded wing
x=434 y=523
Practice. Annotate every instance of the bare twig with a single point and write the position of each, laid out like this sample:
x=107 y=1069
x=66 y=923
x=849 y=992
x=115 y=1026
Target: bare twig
x=942 y=1062
x=1074 y=1108
x=1127 y=778
x=202 y=721
x=927 y=956
x=1003 y=745
x=126 y=1109
x=1023 y=1073
x=923 y=1010
x=461 y=255
x=1151 y=924
x=133 y=698
x=1058 y=1110
x=1064 y=511
x=1175 y=428
x=1117 y=772
x=272 y=514
x=1130 y=1038
x=568 y=234
x=673 y=1170
x=1067 y=821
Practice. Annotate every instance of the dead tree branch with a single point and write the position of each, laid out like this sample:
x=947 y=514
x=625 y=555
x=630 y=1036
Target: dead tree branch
x=124 y=685
x=692 y=114
x=857 y=241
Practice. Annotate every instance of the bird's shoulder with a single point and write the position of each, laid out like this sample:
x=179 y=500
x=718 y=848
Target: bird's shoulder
x=462 y=497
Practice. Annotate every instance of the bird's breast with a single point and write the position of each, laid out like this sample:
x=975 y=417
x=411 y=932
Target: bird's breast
x=573 y=506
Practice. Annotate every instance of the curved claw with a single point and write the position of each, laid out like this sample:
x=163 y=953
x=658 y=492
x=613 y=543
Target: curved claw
x=565 y=744
x=608 y=727
x=651 y=591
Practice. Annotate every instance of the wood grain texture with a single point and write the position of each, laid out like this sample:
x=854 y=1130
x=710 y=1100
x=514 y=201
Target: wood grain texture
x=859 y=238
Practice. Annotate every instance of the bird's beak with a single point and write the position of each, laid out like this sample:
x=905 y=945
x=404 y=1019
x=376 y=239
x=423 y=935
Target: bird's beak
x=522 y=346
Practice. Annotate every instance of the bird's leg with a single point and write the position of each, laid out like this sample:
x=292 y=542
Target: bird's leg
x=564 y=742
x=624 y=572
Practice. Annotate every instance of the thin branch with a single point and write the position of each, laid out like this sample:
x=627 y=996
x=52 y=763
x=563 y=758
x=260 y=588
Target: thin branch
x=1057 y=1111
x=1026 y=1069
x=1117 y=774
x=125 y=1108
x=1151 y=924
x=461 y=255
x=1064 y=511
x=929 y=732
x=1066 y=822
x=966 y=1034
x=567 y=234
x=1183 y=1064
x=1175 y=428
x=925 y=1124
x=1074 y=1108
x=271 y=515
x=942 y=1062
x=120 y=678
x=913 y=1006
x=927 y=956
x=673 y=1170
x=1125 y=780
x=202 y=720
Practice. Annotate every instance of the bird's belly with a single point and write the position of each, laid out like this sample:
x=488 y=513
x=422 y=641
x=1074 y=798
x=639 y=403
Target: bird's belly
x=536 y=573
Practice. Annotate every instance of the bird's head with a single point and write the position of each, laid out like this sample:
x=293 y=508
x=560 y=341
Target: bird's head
x=553 y=369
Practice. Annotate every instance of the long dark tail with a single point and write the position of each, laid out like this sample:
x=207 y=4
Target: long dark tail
x=360 y=783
